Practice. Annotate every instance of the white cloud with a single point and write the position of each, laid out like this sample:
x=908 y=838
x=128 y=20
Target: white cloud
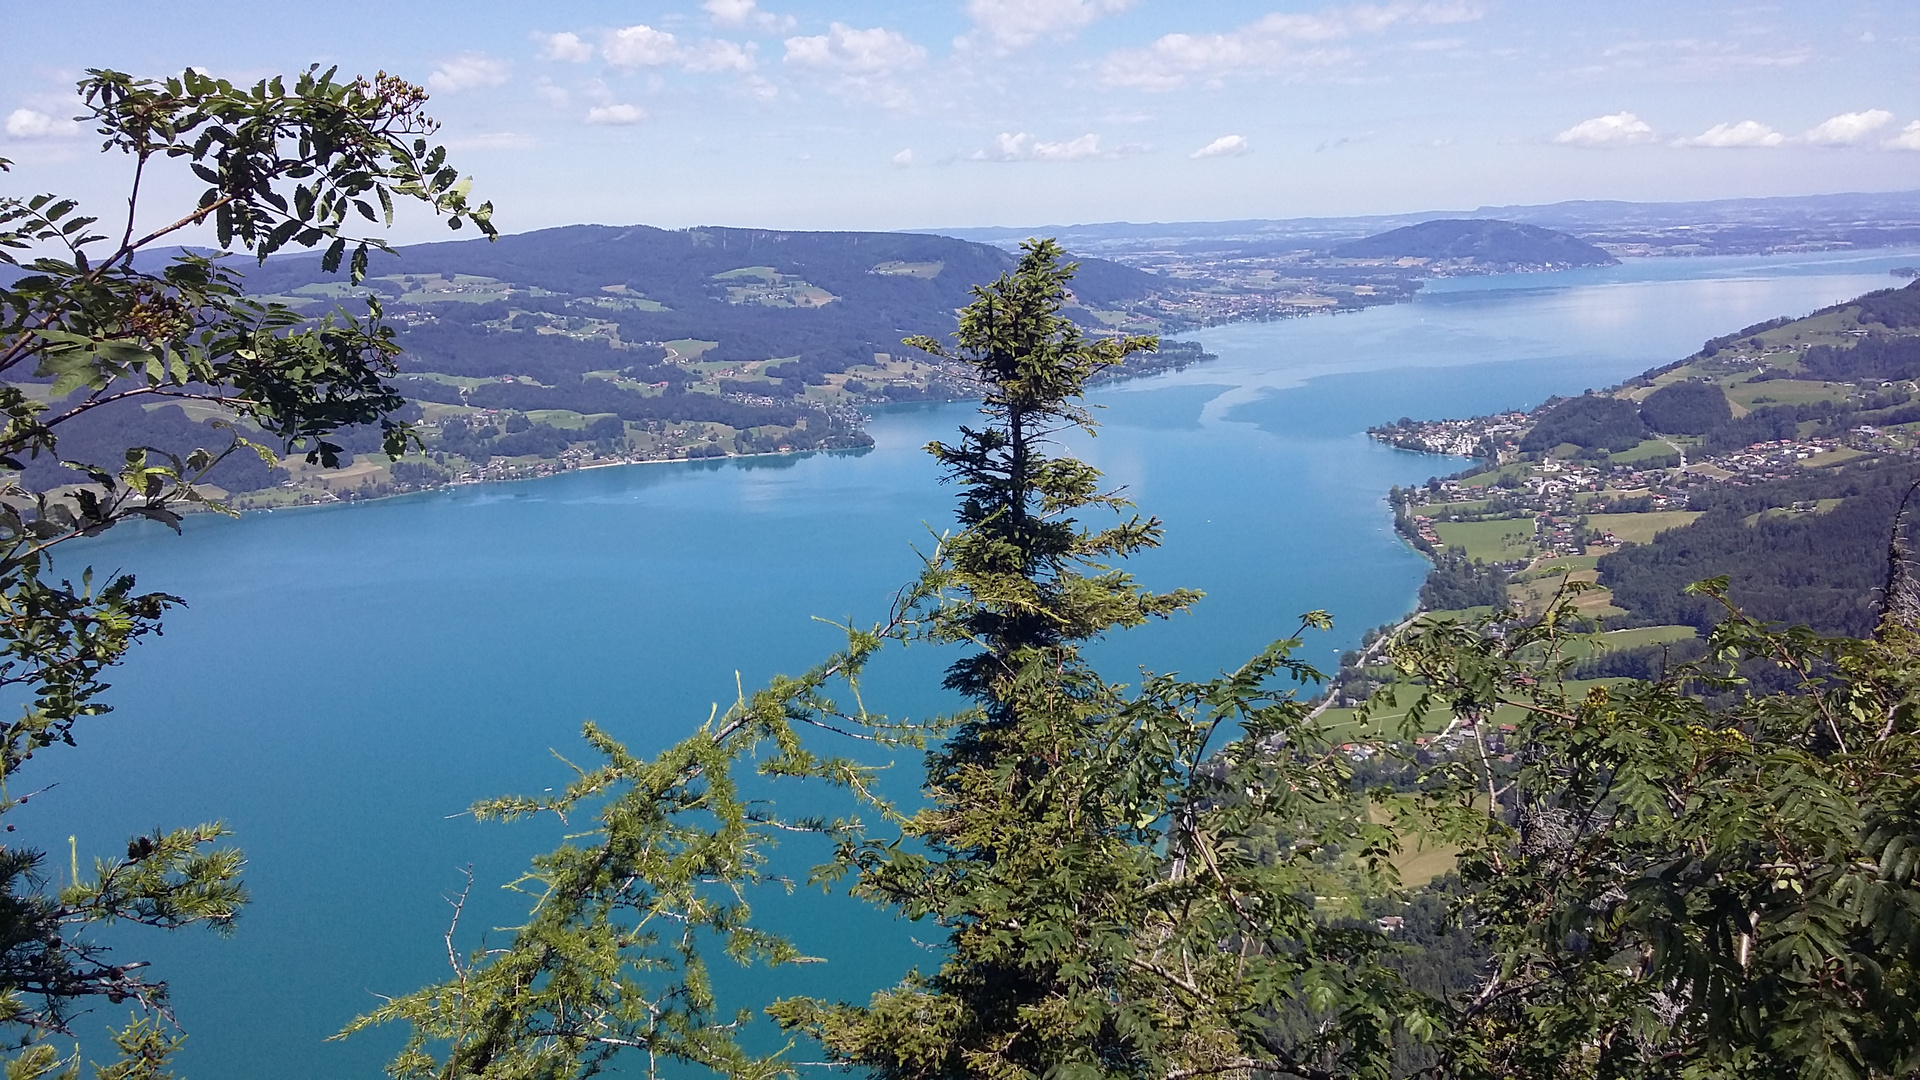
x=640 y=46
x=34 y=124
x=745 y=13
x=877 y=51
x=1014 y=24
x=1009 y=146
x=552 y=93
x=1280 y=42
x=904 y=158
x=1693 y=58
x=565 y=46
x=1224 y=146
x=1727 y=136
x=730 y=12
x=1085 y=146
x=1614 y=129
x=615 y=114
x=1006 y=147
x=1908 y=139
x=1848 y=128
x=716 y=54
x=760 y=88
x=859 y=63
x=468 y=71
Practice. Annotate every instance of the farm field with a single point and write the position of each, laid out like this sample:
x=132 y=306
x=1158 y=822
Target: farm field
x=1498 y=540
x=1641 y=528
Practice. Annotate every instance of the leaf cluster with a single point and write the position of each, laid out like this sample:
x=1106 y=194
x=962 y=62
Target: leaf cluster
x=614 y=955
x=1674 y=889
x=87 y=325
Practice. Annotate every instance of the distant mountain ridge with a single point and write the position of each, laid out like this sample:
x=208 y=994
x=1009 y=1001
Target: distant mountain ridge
x=600 y=344
x=1480 y=242
x=1858 y=219
x=676 y=266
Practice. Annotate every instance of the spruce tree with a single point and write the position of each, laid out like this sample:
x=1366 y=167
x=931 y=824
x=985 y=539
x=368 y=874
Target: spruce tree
x=1121 y=895
x=1094 y=865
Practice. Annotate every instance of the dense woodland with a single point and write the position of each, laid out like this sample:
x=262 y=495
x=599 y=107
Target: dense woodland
x=1685 y=408
x=1820 y=569
x=572 y=321
x=1592 y=421
x=103 y=434
x=677 y=270
x=587 y=308
x=1456 y=582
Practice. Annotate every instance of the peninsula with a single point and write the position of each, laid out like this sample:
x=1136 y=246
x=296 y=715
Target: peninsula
x=1776 y=456
x=1456 y=244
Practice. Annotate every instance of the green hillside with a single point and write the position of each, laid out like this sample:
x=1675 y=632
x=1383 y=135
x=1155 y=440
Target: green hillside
x=591 y=344
x=1776 y=456
x=1481 y=242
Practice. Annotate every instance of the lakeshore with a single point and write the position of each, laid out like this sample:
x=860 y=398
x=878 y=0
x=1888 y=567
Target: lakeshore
x=417 y=654
x=555 y=436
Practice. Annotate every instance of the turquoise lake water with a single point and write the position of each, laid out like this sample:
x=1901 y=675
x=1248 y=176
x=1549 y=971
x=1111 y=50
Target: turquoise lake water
x=346 y=679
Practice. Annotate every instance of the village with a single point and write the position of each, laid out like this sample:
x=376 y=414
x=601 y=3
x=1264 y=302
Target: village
x=1573 y=500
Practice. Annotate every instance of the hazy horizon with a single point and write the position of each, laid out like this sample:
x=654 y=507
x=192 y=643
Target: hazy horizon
x=854 y=114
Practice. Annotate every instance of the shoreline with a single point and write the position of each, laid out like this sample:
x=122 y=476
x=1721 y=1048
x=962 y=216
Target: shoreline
x=534 y=471
x=459 y=482
x=504 y=480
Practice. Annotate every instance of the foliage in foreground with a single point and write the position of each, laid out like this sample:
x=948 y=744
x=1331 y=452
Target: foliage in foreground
x=1687 y=878
x=1102 y=864
x=84 y=331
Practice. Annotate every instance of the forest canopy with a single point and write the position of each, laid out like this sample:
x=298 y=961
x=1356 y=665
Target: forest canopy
x=1591 y=421
x=1686 y=408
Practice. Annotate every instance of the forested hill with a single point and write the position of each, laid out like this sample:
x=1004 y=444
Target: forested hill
x=909 y=280
x=595 y=344
x=1482 y=243
x=1775 y=456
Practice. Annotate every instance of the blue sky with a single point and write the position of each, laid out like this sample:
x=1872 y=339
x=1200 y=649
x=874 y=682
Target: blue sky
x=853 y=114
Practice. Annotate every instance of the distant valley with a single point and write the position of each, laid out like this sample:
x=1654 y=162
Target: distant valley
x=594 y=345
x=1277 y=262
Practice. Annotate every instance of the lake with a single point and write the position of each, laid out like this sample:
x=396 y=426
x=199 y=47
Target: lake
x=346 y=680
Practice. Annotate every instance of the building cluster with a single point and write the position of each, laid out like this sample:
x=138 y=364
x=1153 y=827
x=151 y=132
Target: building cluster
x=1482 y=436
x=1462 y=732
x=1556 y=487
x=1560 y=534
x=1778 y=460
